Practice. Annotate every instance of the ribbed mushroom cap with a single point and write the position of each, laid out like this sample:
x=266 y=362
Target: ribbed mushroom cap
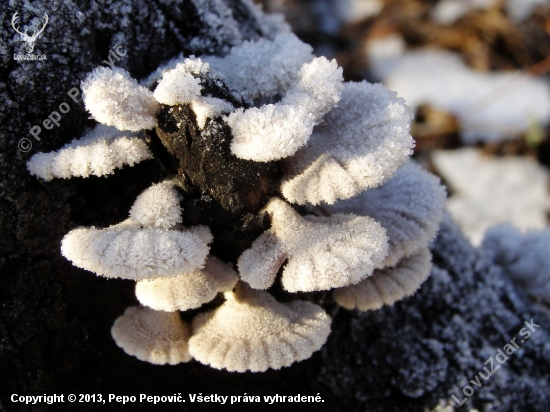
x=188 y=290
x=151 y=336
x=252 y=331
x=323 y=252
x=359 y=145
x=129 y=252
x=409 y=206
x=387 y=286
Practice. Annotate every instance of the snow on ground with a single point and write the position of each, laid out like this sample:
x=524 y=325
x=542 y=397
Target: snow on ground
x=490 y=106
x=490 y=190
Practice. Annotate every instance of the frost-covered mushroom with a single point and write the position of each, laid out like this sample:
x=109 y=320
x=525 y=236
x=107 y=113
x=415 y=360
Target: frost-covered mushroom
x=262 y=69
x=155 y=337
x=130 y=252
x=276 y=131
x=409 y=206
x=178 y=86
x=115 y=99
x=252 y=331
x=188 y=290
x=360 y=144
x=387 y=286
x=322 y=252
x=158 y=206
x=236 y=134
x=98 y=153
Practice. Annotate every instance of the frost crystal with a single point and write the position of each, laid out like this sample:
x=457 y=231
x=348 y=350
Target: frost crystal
x=98 y=153
x=115 y=99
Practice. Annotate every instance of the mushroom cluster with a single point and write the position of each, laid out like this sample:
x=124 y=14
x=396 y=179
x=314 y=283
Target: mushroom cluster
x=277 y=173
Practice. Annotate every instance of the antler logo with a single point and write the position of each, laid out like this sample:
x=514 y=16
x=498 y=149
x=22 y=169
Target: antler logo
x=30 y=40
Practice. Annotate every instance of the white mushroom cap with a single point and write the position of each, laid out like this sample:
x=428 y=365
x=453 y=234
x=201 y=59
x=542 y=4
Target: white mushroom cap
x=151 y=336
x=129 y=252
x=387 y=286
x=177 y=86
x=275 y=131
x=322 y=252
x=409 y=206
x=252 y=331
x=264 y=68
x=97 y=153
x=115 y=99
x=188 y=290
x=359 y=145
x=158 y=206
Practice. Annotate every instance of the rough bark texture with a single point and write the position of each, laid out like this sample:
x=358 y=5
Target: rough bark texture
x=55 y=319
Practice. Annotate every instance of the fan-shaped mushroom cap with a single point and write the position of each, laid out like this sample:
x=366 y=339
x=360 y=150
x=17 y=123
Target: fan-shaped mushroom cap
x=158 y=206
x=387 y=286
x=252 y=331
x=275 y=131
x=409 y=206
x=359 y=145
x=97 y=153
x=188 y=290
x=129 y=252
x=115 y=99
x=151 y=336
x=322 y=252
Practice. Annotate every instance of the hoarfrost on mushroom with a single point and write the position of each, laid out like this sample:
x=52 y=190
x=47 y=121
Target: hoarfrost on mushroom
x=151 y=336
x=323 y=252
x=188 y=290
x=273 y=164
x=387 y=286
x=252 y=331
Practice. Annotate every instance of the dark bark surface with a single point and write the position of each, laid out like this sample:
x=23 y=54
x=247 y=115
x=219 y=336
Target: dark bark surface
x=55 y=319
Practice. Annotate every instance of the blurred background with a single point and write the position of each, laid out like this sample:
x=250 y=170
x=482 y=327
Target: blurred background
x=477 y=75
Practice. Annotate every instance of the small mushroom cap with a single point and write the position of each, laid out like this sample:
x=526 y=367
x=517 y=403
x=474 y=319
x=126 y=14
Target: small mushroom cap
x=97 y=153
x=158 y=206
x=177 y=86
x=387 y=286
x=359 y=145
x=188 y=290
x=115 y=99
x=252 y=331
x=129 y=252
x=322 y=252
x=275 y=131
x=409 y=206
x=151 y=336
